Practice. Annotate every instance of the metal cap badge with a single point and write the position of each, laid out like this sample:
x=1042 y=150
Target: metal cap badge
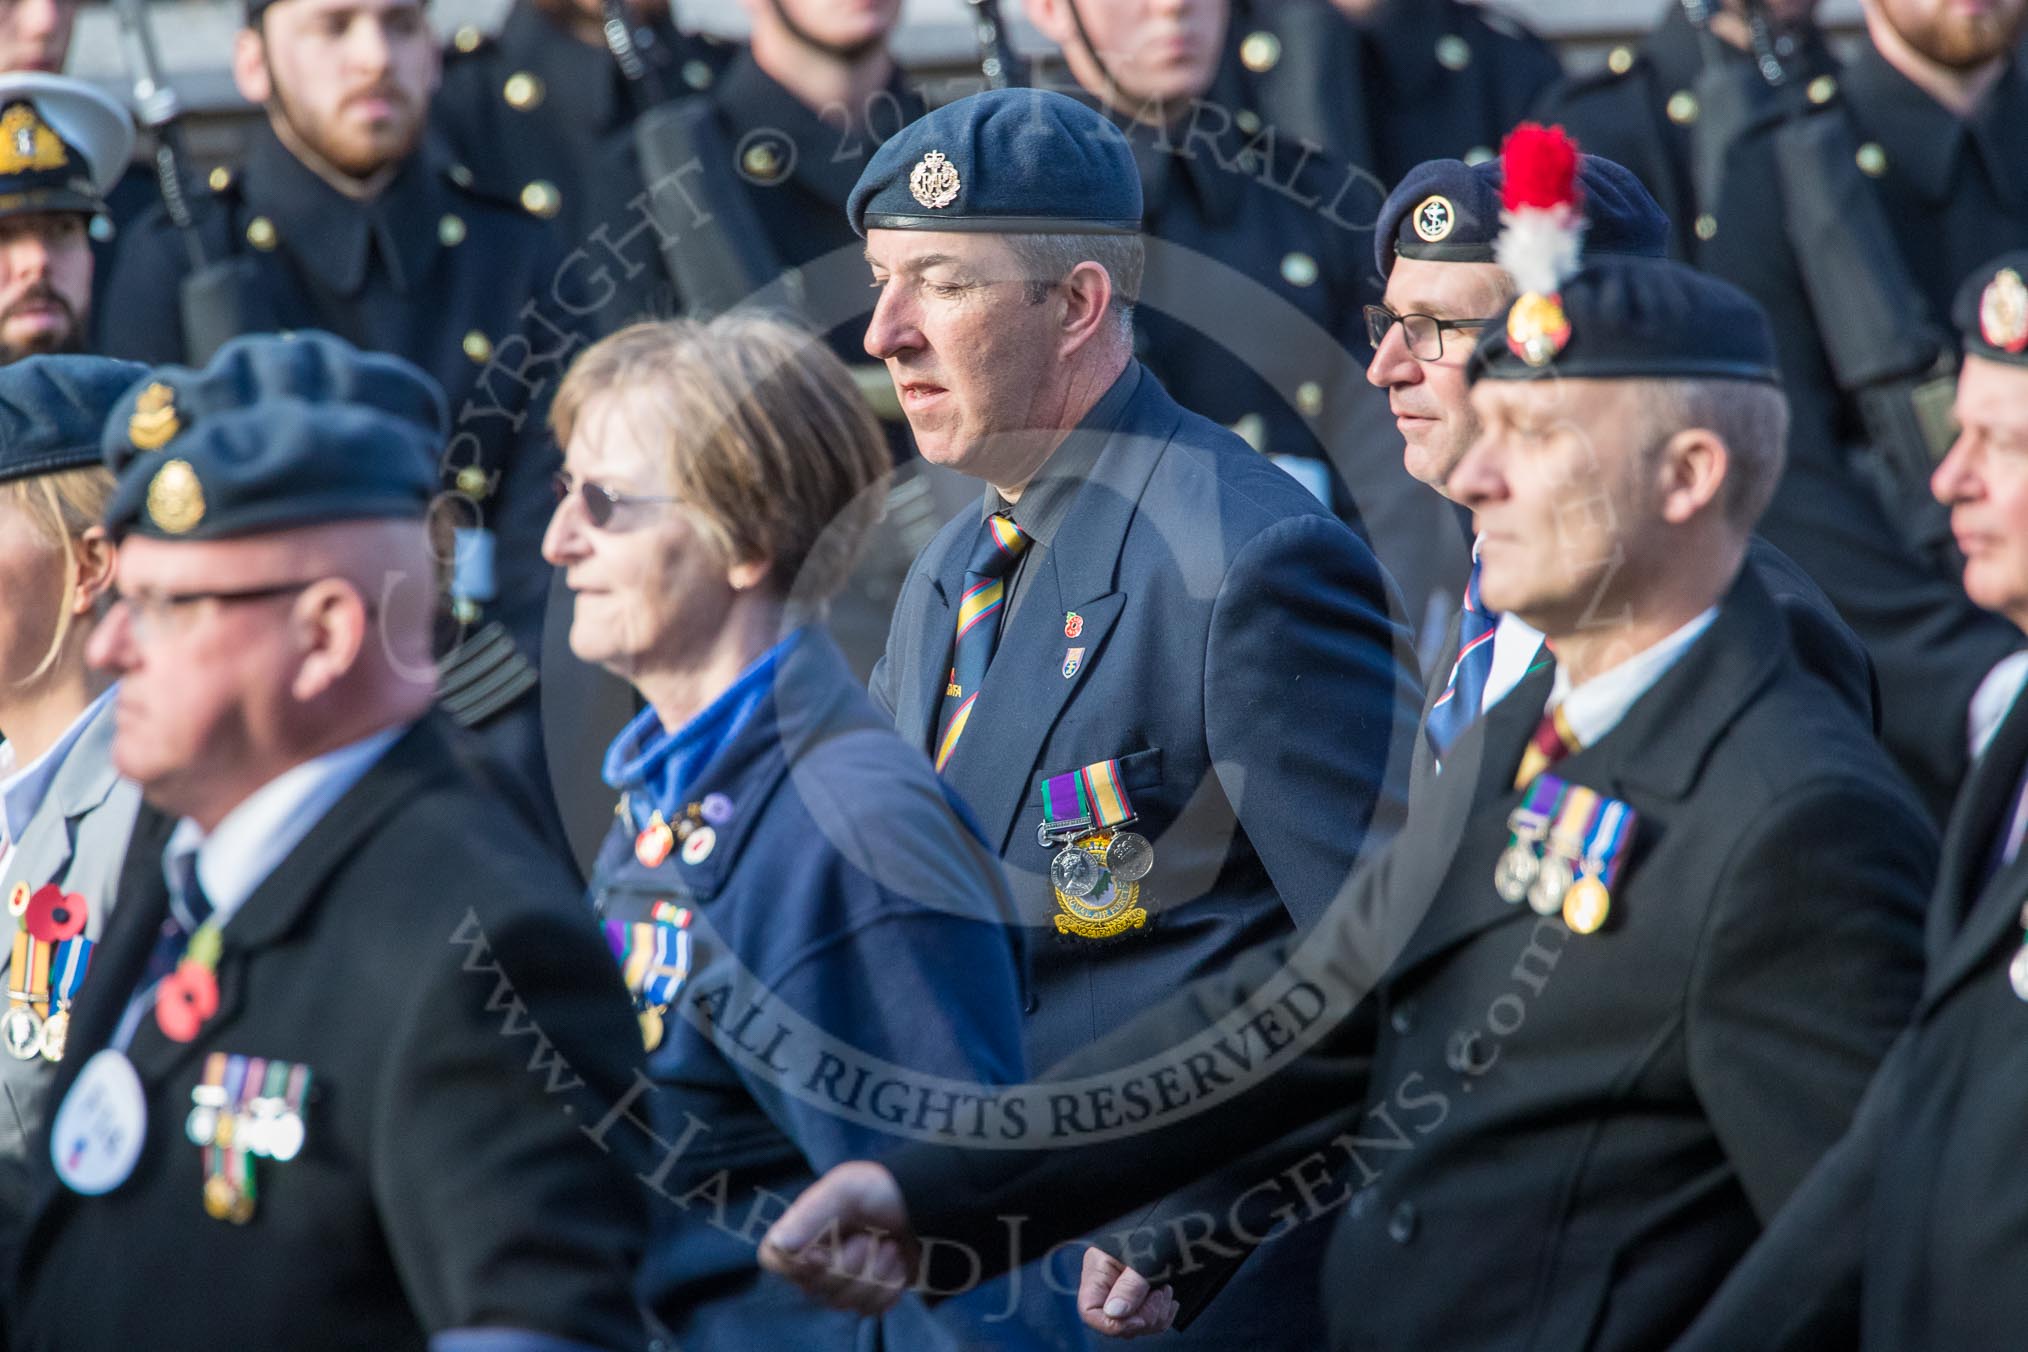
x=934 y=181
x=2003 y=311
x=175 y=498
x=154 y=422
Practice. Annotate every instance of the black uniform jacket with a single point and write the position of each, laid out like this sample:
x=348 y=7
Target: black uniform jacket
x=1646 y=109
x=466 y=287
x=1954 y=193
x=1565 y=1140
x=1913 y=1231
x=462 y=1022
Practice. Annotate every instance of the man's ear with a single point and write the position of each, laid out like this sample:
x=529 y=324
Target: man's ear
x=1691 y=473
x=333 y=624
x=1087 y=305
x=250 y=66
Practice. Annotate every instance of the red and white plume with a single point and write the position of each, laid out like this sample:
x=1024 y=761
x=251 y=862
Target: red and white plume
x=1541 y=216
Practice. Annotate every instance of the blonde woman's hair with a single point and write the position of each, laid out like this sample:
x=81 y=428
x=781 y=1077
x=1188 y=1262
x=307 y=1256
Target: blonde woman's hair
x=60 y=507
x=765 y=434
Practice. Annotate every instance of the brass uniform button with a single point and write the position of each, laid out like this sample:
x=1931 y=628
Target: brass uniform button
x=762 y=163
x=1247 y=120
x=471 y=479
x=523 y=92
x=540 y=198
x=260 y=232
x=1299 y=269
x=1707 y=226
x=1453 y=52
x=460 y=175
x=451 y=230
x=219 y=178
x=1310 y=398
x=696 y=74
x=1872 y=159
x=1260 y=51
x=465 y=611
x=1822 y=89
x=1682 y=107
x=478 y=347
x=1620 y=60
x=466 y=39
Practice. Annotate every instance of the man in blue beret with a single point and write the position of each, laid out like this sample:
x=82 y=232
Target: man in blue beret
x=63 y=144
x=1625 y=975
x=1435 y=244
x=1165 y=619
x=301 y=1073
x=1909 y=1233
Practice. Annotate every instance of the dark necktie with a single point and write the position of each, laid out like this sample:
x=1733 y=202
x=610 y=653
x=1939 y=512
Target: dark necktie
x=980 y=609
x=1465 y=689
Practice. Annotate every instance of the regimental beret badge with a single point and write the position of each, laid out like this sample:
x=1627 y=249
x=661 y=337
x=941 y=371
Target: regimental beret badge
x=1434 y=217
x=26 y=142
x=175 y=498
x=1537 y=328
x=934 y=182
x=154 y=423
x=2003 y=311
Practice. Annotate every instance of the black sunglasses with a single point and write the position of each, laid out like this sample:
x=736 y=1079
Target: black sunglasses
x=599 y=501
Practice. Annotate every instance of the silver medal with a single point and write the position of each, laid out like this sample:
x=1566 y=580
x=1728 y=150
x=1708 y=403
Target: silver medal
x=2017 y=972
x=1515 y=873
x=1075 y=873
x=201 y=1127
x=1129 y=857
x=1554 y=879
x=21 y=1030
x=285 y=1137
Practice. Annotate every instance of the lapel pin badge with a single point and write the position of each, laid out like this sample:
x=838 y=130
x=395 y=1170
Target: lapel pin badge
x=1073 y=658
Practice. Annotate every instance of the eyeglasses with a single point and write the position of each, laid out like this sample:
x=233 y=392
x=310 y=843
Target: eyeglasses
x=1424 y=334
x=599 y=501
x=150 y=613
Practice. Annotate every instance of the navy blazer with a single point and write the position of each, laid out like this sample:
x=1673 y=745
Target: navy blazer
x=1244 y=661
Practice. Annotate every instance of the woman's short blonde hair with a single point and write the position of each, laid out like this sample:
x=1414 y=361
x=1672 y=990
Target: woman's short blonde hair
x=767 y=436
x=60 y=507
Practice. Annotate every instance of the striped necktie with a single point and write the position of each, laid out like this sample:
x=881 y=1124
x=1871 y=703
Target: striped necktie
x=1553 y=739
x=999 y=547
x=1465 y=690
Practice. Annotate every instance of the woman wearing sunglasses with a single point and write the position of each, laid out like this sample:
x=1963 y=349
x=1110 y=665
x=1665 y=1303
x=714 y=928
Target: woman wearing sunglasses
x=65 y=814
x=800 y=911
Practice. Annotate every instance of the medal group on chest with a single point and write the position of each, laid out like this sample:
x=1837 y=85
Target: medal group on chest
x=50 y=957
x=1099 y=864
x=1565 y=851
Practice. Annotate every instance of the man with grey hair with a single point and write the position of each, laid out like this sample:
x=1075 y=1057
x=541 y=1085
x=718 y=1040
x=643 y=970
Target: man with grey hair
x=1120 y=659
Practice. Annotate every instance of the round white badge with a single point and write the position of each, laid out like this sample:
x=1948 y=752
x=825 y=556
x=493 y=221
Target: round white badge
x=96 y=1139
x=697 y=845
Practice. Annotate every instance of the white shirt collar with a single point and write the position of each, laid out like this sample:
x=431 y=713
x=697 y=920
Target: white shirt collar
x=255 y=837
x=1595 y=708
x=22 y=791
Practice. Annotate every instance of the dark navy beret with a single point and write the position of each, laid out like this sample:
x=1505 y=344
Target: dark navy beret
x=1992 y=310
x=53 y=411
x=275 y=432
x=1007 y=160
x=1631 y=318
x=1448 y=211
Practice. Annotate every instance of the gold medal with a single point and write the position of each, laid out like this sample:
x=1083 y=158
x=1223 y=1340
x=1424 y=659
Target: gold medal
x=242 y=1208
x=219 y=1197
x=227 y=1128
x=1586 y=906
x=651 y=1027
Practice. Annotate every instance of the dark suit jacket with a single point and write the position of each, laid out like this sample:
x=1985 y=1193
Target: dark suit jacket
x=1227 y=620
x=1911 y=1232
x=461 y=1019
x=1953 y=196
x=1824 y=644
x=1565 y=1140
